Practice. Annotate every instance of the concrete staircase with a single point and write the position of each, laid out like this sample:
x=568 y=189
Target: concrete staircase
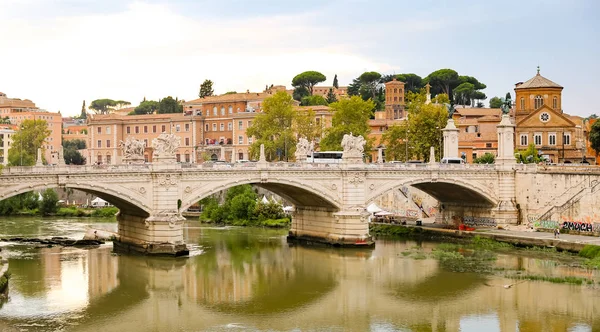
x=572 y=195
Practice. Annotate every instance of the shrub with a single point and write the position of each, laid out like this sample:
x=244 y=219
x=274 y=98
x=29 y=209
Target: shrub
x=590 y=251
x=106 y=212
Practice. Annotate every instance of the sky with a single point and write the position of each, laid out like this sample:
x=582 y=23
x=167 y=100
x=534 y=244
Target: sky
x=58 y=53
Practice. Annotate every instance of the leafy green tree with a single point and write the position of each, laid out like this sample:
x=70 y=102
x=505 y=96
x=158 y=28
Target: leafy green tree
x=304 y=125
x=335 y=82
x=313 y=101
x=83 y=114
x=464 y=93
x=349 y=116
x=594 y=137
x=271 y=210
x=26 y=141
x=103 y=106
x=48 y=204
x=412 y=82
x=122 y=103
x=496 y=102
x=354 y=87
x=169 y=105
x=230 y=92
x=529 y=155
x=442 y=81
x=308 y=80
x=394 y=139
x=425 y=122
x=487 y=158
x=273 y=128
x=147 y=107
x=73 y=157
x=18 y=203
x=593 y=116
x=242 y=200
x=370 y=83
x=300 y=92
x=331 y=97
x=470 y=79
x=77 y=144
x=206 y=89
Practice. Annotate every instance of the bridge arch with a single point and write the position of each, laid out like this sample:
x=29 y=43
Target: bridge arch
x=444 y=190
x=123 y=200
x=294 y=191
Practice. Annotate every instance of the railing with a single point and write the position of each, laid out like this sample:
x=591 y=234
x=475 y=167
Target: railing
x=554 y=208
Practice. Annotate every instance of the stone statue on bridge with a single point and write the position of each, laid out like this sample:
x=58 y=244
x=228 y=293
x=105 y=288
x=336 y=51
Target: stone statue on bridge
x=507 y=105
x=165 y=146
x=303 y=149
x=353 y=146
x=133 y=150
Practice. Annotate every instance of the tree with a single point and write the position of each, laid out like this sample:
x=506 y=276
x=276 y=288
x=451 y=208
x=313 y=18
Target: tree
x=83 y=114
x=169 y=105
x=76 y=144
x=15 y=204
x=122 y=103
x=206 y=89
x=313 y=101
x=412 y=82
x=528 y=156
x=147 y=107
x=370 y=82
x=442 y=81
x=304 y=125
x=300 y=92
x=308 y=80
x=487 y=158
x=73 y=157
x=103 y=106
x=463 y=93
x=425 y=122
x=394 y=139
x=335 y=82
x=354 y=87
x=349 y=116
x=593 y=116
x=48 y=203
x=26 y=141
x=331 y=97
x=496 y=102
x=273 y=128
x=594 y=137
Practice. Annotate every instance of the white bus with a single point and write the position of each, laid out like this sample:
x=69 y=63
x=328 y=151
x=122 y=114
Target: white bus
x=325 y=157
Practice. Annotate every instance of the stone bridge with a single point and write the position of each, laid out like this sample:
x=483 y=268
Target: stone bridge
x=329 y=200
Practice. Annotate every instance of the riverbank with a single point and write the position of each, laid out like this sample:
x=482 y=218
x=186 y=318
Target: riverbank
x=268 y=223
x=70 y=211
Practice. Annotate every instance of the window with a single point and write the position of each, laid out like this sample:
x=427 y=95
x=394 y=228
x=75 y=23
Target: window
x=99 y=130
x=567 y=138
x=178 y=157
x=206 y=127
x=539 y=101
x=145 y=142
x=249 y=140
x=128 y=130
x=187 y=157
x=214 y=127
x=222 y=110
x=395 y=98
x=177 y=127
x=108 y=143
x=108 y=159
x=222 y=127
x=187 y=141
x=240 y=139
x=145 y=129
x=187 y=127
x=215 y=111
x=555 y=102
x=523 y=139
x=249 y=123
x=137 y=129
x=395 y=90
x=99 y=159
x=108 y=130
x=488 y=145
x=230 y=126
x=230 y=109
x=537 y=139
x=154 y=128
x=240 y=125
x=552 y=139
x=522 y=103
x=99 y=143
x=163 y=128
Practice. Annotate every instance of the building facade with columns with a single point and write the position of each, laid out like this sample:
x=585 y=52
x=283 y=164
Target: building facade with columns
x=540 y=120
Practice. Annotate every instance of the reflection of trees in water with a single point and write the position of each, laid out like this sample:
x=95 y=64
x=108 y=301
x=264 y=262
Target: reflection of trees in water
x=242 y=272
x=442 y=285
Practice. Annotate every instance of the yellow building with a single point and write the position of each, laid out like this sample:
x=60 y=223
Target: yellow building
x=18 y=110
x=540 y=120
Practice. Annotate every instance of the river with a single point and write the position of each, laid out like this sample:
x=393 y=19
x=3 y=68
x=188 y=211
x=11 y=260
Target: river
x=248 y=279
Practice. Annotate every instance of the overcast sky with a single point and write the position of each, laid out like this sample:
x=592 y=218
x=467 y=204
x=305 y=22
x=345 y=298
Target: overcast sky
x=58 y=53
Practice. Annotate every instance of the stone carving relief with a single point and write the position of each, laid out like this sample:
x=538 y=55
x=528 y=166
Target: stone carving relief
x=353 y=145
x=165 y=145
x=167 y=180
x=133 y=148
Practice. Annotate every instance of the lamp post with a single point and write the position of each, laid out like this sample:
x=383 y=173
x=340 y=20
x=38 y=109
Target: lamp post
x=439 y=141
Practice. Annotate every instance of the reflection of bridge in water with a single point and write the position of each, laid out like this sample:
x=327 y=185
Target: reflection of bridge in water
x=270 y=286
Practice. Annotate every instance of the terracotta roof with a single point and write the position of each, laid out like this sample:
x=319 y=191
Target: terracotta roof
x=538 y=81
x=477 y=111
x=232 y=97
x=315 y=108
x=489 y=118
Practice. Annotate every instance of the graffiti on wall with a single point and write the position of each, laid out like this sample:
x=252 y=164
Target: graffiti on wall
x=479 y=221
x=578 y=226
x=412 y=213
x=545 y=224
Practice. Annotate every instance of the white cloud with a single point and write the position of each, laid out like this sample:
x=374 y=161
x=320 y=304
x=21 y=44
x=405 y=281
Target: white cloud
x=149 y=50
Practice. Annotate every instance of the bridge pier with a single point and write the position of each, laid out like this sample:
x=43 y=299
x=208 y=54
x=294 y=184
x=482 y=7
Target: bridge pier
x=343 y=228
x=156 y=235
